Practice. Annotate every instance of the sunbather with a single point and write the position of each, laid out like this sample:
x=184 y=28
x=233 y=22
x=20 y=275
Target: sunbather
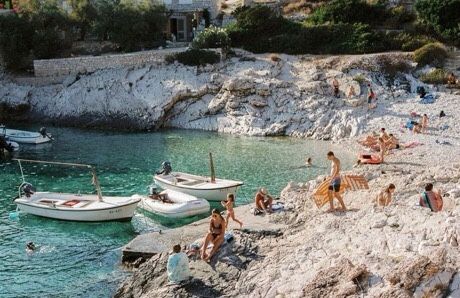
x=229 y=204
x=392 y=142
x=351 y=92
x=178 y=266
x=385 y=197
x=215 y=235
x=264 y=201
x=451 y=79
x=431 y=199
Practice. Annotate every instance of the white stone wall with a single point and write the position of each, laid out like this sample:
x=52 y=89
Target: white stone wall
x=87 y=64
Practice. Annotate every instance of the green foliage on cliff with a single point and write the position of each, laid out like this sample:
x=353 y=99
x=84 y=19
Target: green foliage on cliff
x=442 y=15
x=431 y=54
x=194 y=57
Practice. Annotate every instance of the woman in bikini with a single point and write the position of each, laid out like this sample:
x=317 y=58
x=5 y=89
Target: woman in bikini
x=215 y=235
x=230 y=212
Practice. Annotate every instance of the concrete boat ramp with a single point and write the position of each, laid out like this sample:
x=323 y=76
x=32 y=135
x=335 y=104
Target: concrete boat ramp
x=147 y=245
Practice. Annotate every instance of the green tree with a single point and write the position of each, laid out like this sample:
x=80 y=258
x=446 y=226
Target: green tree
x=83 y=14
x=442 y=15
x=349 y=11
x=16 y=37
x=133 y=26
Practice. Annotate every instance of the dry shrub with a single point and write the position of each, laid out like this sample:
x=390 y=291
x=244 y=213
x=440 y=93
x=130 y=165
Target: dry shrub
x=275 y=58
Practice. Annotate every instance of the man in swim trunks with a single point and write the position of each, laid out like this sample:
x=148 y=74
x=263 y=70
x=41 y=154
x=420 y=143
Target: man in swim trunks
x=334 y=187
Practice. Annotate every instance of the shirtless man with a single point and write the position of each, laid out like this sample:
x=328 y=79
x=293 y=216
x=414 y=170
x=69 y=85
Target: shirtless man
x=384 y=135
x=264 y=201
x=424 y=123
x=334 y=188
x=385 y=197
x=382 y=148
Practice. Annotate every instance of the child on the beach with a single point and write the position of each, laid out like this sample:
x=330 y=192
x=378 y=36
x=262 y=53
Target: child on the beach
x=229 y=204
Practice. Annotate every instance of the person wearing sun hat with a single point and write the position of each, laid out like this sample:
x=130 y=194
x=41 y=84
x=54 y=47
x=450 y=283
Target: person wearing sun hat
x=263 y=200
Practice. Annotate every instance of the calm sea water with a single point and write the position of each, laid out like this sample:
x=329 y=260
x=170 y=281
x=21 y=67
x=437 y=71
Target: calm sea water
x=83 y=260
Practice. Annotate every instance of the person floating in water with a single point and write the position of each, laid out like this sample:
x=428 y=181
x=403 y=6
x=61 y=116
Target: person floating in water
x=30 y=247
x=334 y=187
x=308 y=163
x=229 y=204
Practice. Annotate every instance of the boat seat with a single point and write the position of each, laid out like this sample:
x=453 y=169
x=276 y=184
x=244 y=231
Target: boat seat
x=195 y=182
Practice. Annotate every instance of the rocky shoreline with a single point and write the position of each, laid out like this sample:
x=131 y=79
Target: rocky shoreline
x=402 y=250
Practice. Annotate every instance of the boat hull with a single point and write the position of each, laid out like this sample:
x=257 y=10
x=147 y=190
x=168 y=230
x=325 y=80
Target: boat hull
x=209 y=194
x=188 y=206
x=122 y=212
x=26 y=137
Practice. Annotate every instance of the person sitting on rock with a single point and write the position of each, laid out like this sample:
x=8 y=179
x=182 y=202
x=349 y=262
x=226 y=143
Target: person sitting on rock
x=392 y=142
x=214 y=236
x=351 y=92
x=451 y=79
x=264 y=201
x=385 y=197
x=431 y=199
x=178 y=266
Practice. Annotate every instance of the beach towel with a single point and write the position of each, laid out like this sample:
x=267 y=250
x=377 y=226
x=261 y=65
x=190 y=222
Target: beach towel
x=276 y=207
x=409 y=124
x=428 y=99
x=348 y=182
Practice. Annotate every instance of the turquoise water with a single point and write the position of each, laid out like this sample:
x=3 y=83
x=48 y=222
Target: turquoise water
x=83 y=260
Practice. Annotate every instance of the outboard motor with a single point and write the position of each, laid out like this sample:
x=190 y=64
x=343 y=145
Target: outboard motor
x=5 y=145
x=28 y=189
x=153 y=190
x=42 y=131
x=166 y=168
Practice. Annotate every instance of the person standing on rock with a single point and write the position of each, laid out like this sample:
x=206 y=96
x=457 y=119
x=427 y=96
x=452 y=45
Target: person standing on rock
x=370 y=96
x=424 y=123
x=229 y=204
x=431 y=199
x=382 y=148
x=334 y=187
x=385 y=197
x=335 y=86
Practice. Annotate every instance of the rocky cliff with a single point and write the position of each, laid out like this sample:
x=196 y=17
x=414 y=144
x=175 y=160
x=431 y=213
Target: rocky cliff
x=248 y=94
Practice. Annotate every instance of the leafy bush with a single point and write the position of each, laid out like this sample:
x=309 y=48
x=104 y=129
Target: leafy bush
x=431 y=54
x=436 y=76
x=194 y=57
x=442 y=15
x=349 y=11
x=212 y=38
x=133 y=27
x=359 y=78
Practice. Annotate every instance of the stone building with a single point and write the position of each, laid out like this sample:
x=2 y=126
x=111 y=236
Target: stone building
x=187 y=16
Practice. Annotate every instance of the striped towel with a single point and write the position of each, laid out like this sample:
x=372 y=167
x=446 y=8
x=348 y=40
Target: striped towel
x=348 y=182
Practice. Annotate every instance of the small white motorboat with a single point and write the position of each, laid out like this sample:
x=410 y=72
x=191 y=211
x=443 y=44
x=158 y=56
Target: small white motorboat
x=74 y=207
x=173 y=204
x=26 y=137
x=209 y=188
